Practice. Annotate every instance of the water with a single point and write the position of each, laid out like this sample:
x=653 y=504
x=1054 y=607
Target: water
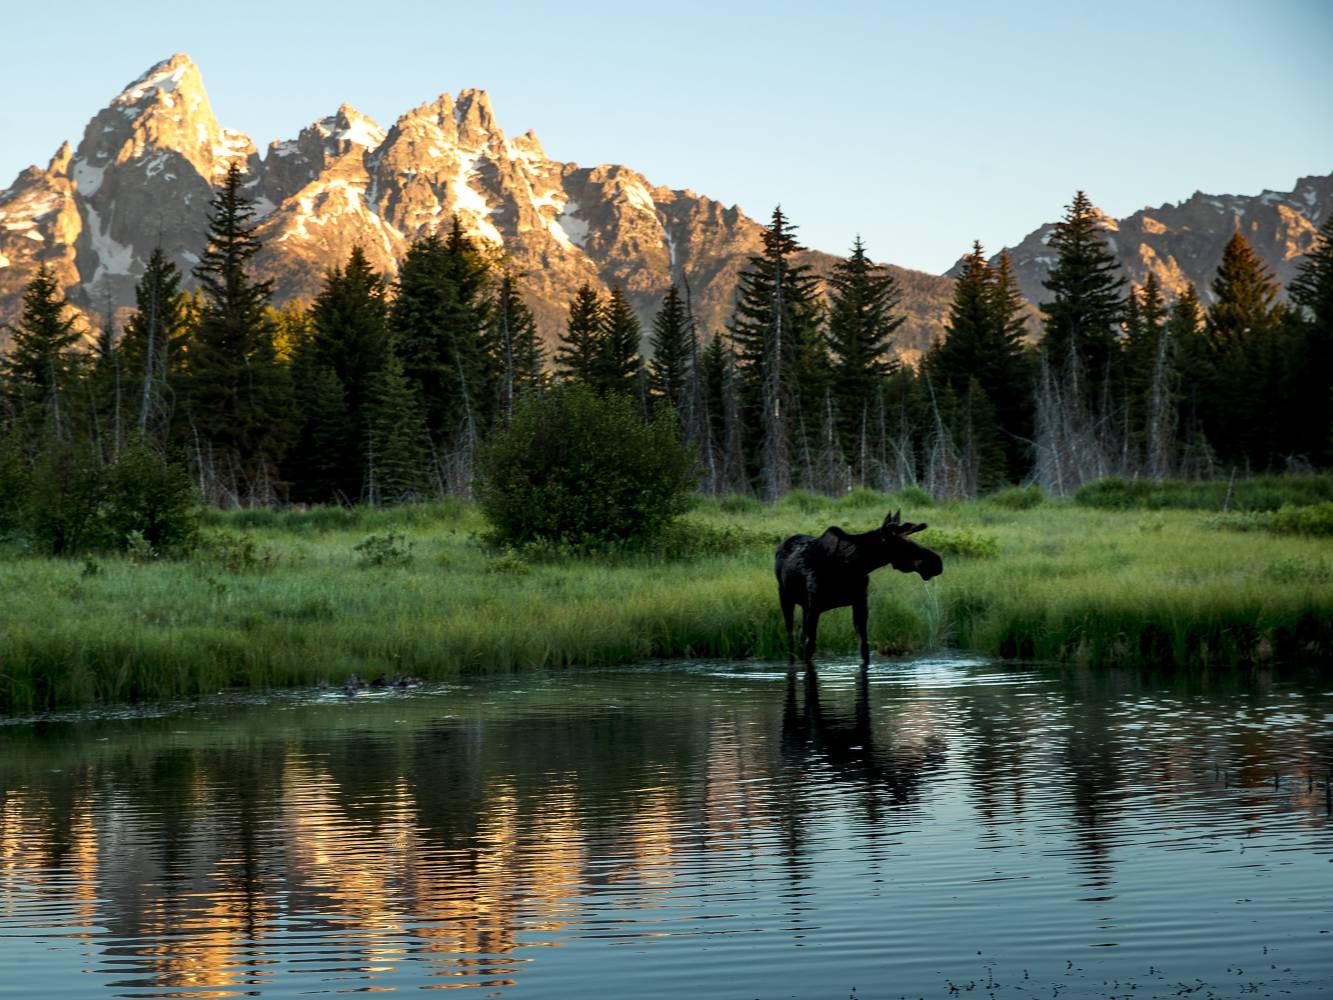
x=948 y=827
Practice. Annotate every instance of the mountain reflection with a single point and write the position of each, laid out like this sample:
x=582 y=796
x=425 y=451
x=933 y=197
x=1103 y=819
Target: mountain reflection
x=451 y=837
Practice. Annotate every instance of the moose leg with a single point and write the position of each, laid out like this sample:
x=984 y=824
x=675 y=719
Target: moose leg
x=788 y=611
x=809 y=626
x=860 y=614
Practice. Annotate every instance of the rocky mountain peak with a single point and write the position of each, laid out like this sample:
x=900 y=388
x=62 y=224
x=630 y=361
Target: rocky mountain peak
x=59 y=165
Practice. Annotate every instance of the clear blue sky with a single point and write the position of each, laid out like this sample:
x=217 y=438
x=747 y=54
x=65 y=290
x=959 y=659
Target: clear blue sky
x=921 y=126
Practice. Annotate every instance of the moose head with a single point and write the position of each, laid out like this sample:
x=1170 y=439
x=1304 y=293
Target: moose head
x=894 y=548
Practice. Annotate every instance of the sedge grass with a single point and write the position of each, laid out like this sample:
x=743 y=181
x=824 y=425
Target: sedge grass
x=300 y=604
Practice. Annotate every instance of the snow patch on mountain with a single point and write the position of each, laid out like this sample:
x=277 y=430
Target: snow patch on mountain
x=88 y=178
x=468 y=199
x=112 y=257
x=571 y=227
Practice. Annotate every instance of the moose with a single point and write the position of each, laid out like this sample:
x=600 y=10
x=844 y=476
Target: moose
x=833 y=571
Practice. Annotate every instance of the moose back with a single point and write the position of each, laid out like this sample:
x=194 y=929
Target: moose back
x=833 y=571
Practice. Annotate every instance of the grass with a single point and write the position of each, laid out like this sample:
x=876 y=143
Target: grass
x=288 y=598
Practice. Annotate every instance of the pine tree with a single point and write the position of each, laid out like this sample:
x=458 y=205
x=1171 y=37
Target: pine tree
x=350 y=327
x=618 y=362
x=1145 y=329
x=984 y=345
x=1085 y=308
x=399 y=462
x=328 y=460
x=239 y=395
x=105 y=388
x=672 y=343
x=775 y=330
x=1312 y=360
x=1008 y=377
x=861 y=324
x=517 y=347
x=152 y=345
x=441 y=323
x=1242 y=366
x=41 y=367
x=581 y=345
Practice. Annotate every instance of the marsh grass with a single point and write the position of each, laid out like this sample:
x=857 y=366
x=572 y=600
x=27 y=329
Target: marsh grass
x=284 y=598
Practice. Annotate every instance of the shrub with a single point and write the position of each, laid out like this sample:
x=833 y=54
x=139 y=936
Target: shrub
x=1254 y=493
x=912 y=496
x=149 y=497
x=1315 y=520
x=576 y=467
x=391 y=549
x=1017 y=497
x=234 y=553
x=65 y=496
x=961 y=542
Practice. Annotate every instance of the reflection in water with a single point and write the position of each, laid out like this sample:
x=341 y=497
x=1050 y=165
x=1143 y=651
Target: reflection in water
x=632 y=832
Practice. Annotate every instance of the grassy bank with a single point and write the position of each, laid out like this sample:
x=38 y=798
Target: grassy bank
x=275 y=599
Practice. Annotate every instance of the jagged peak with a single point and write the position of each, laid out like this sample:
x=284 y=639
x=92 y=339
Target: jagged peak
x=474 y=118
x=161 y=79
x=529 y=146
x=438 y=110
x=347 y=124
x=59 y=164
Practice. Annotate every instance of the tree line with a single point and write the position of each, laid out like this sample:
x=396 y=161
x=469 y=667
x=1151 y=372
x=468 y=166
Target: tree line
x=383 y=391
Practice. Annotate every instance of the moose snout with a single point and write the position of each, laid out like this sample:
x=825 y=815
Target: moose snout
x=929 y=566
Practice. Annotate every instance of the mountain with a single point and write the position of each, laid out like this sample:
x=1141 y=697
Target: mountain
x=1183 y=243
x=147 y=164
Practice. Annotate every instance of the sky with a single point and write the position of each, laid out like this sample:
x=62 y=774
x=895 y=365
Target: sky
x=919 y=126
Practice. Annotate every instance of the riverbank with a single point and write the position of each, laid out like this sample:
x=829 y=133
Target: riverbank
x=279 y=599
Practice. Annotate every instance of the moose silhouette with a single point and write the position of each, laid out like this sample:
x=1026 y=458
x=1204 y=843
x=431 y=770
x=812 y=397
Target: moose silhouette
x=833 y=571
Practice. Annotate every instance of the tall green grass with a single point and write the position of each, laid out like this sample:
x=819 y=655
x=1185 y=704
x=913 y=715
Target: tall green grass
x=288 y=598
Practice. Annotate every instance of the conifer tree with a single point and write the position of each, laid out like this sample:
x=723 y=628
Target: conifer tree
x=672 y=343
x=774 y=327
x=152 y=344
x=1145 y=328
x=350 y=327
x=581 y=345
x=618 y=362
x=861 y=324
x=399 y=456
x=441 y=323
x=984 y=345
x=1084 y=311
x=1242 y=366
x=518 y=349
x=1312 y=360
x=105 y=389
x=239 y=395
x=41 y=366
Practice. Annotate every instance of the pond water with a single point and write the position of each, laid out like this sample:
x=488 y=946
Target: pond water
x=940 y=827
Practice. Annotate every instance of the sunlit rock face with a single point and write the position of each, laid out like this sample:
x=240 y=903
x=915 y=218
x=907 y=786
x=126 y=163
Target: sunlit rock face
x=147 y=164
x=1183 y=243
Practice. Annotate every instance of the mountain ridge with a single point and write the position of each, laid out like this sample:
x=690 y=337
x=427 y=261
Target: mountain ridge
x=148 y=162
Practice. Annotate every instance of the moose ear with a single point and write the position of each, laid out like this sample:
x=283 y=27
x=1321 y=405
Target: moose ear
x=893 y=518
x=912 y=529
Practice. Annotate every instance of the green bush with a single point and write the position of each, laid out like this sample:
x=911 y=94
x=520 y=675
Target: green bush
x=912 y=496
x=1314 y=520
x=960 y=542
x=147 y=496
x=65 y=498
x=1017 y=497
x=572 y=466
x=391 y=549
x=1250 y=494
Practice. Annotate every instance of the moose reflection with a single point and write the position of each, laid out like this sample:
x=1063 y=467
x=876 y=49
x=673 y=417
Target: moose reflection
x=833 y=571
x=895 y=767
